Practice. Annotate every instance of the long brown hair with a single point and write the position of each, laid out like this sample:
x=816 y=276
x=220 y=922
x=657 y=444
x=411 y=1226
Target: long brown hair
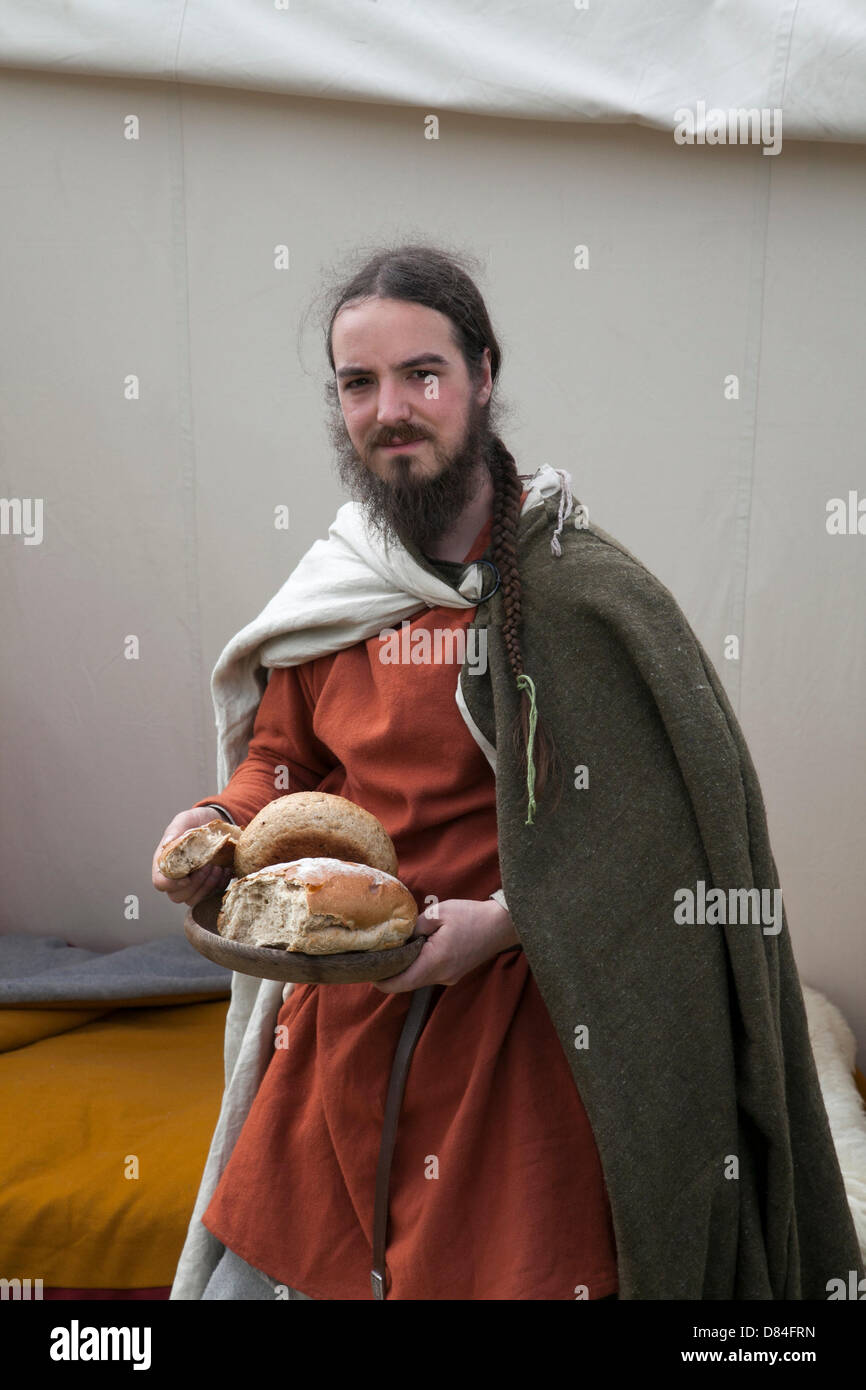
x=440 y=280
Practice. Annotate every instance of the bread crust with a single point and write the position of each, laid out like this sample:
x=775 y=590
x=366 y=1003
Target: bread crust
x=212 y=843
x=313 y=825
x=318 y=905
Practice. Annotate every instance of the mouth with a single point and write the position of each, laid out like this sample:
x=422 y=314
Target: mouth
x=407 y=444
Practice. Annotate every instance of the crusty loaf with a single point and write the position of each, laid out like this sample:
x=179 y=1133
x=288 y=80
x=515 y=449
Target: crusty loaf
x=312 y=825
x=213 y=843
x=319 y=906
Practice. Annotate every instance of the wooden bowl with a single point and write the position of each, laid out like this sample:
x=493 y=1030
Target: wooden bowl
x=274 y=963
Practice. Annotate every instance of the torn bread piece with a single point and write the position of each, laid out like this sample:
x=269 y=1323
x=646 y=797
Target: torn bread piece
x=213 y=843
x=319 y=906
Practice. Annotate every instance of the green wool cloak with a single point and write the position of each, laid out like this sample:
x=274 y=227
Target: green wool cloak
x=688 y=1043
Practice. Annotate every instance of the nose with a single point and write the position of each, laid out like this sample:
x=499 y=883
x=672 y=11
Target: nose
x=393 y=405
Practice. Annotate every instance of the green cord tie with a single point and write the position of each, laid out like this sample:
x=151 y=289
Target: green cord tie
x=525 y=682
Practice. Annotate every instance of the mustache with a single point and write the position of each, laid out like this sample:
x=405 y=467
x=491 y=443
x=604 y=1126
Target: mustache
x=404 y=438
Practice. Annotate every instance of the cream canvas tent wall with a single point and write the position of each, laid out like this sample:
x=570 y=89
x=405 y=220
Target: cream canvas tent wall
x=683 y=330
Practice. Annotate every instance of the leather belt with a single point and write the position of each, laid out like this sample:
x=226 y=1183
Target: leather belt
x=412 y=1026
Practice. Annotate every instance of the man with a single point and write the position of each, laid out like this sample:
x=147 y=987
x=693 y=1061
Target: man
x=586 y=1108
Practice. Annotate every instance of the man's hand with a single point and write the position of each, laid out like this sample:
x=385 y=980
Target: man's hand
x=460 y=935
x=200 y=884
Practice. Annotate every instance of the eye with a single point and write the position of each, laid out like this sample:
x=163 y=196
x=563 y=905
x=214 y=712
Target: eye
x=359 y=380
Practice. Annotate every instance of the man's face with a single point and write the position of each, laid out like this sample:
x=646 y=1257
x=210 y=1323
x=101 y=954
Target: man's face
x=385 y=353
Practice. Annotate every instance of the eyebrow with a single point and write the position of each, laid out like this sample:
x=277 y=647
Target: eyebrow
x=418 y=361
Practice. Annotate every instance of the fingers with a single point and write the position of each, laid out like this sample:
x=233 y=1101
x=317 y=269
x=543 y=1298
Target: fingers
x=429 y=921
x=201 y=884
x=214 y=880
x=159 y=880
x=415 y=976
x=195 y=886
x=178 y=889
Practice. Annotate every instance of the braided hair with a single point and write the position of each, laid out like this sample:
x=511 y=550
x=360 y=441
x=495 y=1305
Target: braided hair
x=507 y=489
x=441 y=280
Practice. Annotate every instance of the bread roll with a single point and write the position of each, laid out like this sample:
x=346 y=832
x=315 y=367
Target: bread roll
x=213 y=843
x=318 y=906
x=310 y=825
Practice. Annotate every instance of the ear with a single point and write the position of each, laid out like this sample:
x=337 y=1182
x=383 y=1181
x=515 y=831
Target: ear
x=485 y=388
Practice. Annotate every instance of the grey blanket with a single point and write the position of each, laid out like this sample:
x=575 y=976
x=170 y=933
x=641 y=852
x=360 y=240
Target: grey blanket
x=45 y=970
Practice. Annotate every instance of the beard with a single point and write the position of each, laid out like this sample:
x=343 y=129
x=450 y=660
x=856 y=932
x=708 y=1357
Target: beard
x=416 y=509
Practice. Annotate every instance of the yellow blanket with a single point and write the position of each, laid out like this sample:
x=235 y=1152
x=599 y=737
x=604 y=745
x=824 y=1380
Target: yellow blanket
x=104 y=1130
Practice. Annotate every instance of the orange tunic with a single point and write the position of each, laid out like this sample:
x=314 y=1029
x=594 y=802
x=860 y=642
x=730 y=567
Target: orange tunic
x=496 y=1189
